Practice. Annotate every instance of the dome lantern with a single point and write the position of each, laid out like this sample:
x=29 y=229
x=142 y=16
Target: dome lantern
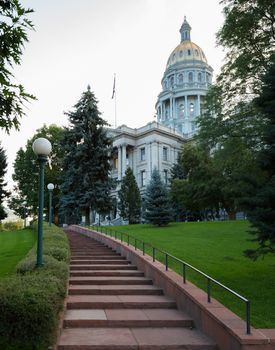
x=185 y=31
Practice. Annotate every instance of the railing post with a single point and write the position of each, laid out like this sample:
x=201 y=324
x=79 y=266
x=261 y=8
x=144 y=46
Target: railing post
x=143 y=248
x=128 y=239
x=248 y=331
x=184 y=273
x=154 y=254
x=209 y=290
x=135 y=244
x=121 y=236
x=166 y=262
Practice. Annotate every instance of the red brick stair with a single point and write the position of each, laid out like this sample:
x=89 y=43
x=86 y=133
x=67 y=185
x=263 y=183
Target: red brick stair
x=111 y=305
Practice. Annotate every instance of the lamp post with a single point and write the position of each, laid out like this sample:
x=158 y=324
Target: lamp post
x=42 y=148
x=24 y=207
x=50 y=188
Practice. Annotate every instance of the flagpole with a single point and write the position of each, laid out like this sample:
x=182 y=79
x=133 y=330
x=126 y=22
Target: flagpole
x=115 y=110
x=114 y=96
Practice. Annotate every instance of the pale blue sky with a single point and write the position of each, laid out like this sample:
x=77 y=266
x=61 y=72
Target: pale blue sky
x=76 y=43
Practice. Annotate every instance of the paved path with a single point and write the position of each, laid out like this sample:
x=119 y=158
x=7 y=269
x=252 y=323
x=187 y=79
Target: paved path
x=111 y=305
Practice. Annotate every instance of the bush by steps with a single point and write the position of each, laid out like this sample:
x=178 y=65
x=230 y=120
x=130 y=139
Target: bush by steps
x=31 y=300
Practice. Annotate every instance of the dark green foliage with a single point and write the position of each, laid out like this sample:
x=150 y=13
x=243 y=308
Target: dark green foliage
x=26 y=173
x=13 y=35
x=3 y=193
x=86 y=182
x=157 y=206
x=261 y=204
x=249 y=37
x=129 y=197
x=30 y=302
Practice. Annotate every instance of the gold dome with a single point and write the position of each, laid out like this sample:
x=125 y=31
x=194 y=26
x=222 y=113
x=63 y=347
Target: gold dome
x=184 y=52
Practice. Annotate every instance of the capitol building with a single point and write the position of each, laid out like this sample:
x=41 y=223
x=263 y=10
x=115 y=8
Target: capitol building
x=185 y=82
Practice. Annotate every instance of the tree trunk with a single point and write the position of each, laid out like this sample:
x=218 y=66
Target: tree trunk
x=231 y=215
x=87 y=216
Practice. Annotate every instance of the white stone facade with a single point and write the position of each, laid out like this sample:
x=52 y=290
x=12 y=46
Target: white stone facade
x=143 y=149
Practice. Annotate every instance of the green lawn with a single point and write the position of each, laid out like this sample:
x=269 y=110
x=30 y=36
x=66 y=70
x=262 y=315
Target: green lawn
x=14 y=245
x=216 y=248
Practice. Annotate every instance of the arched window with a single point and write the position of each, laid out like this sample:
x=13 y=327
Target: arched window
x=165 y=84
x=180 y=78
x=199 y=77
x=192 y=108
x=171 y=81
x=189 y=52
x=197 y=52
x=190 y=77
x=181 y=110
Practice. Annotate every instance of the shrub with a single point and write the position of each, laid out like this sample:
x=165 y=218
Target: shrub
x=12 y=225
x=30 y=302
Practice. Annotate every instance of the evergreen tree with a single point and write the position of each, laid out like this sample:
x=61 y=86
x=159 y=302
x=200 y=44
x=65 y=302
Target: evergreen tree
x=261 y=204
x=87 y=182
x=157 y=207
x=129 y=197
x=3 y=192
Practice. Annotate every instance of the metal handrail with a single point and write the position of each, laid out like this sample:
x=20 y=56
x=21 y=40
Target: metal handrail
x=114 y=234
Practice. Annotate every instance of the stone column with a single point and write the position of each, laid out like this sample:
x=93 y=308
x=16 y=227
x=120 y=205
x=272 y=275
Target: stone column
x=148 y=160
x=119 y=163
x=171 y=108
x=199 y=105
x=123 y=160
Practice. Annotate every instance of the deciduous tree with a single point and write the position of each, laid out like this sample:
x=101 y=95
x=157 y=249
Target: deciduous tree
x=13 y=35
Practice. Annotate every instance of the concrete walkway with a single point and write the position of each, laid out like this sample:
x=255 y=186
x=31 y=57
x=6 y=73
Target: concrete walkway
x=111 y=305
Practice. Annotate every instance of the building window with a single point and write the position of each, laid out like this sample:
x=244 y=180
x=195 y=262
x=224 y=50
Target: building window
x=143 y=178
x=180 y=78
x=115 y=163
x=192 y=108
x=181 y=53
x=171 y=81
x=142 y=153
x=197 y=52
x=181 y=110
x=199 y=77
x=166 y=177
x=189 y=52
x=165 y=153
x=190 y=77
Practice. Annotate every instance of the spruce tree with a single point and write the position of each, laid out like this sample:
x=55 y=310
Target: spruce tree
x=157 y=207
x=87 y=183
x=261 y=205
x=129 y=197
x=3 y=192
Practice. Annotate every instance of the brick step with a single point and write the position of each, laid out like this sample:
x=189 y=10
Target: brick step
x=119 y=302
x=111 y=280
x=114 y=290
x=126 y=273
x=83 y=261
x=127 y=318
x=110 y=256
x=99 y=262
x=102 y=267
x=155 y=338
x=92 y=251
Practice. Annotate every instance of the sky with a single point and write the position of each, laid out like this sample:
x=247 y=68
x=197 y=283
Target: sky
x=84 y=42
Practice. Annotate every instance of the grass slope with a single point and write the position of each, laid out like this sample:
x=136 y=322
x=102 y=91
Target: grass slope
x=14 y=245
x=216 y=248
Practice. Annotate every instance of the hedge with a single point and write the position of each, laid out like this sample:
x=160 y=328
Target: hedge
x=31 y=300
